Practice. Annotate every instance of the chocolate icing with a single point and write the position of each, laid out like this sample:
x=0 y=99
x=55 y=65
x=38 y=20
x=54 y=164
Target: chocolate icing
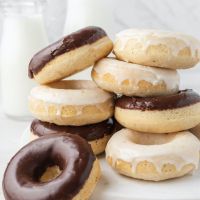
x=71 y=153
x=181 y=99
x=88 y=132
x=77 y=39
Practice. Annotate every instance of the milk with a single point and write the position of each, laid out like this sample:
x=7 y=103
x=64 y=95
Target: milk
x=81 y=13
x=22 y=37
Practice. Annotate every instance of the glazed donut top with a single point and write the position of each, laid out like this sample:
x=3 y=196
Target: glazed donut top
x=148 y=37
x=88 y=132
x=72 y=154
x=133 y=147
x=69 y=92
x=75 y=40
x=181 y=99
x=134 y=72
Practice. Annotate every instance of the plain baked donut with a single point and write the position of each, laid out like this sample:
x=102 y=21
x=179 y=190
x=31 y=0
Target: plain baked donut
x=133 y=79
x=97 y=134
x=70 y=54
x=153 y=157
x=71 y=102
x=31 y=174
x=157 y=48
x=162 y=114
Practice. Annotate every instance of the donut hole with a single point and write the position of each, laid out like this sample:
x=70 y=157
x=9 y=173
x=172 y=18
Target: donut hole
x=47 y=171
x=50 y=173
x=73 y=84
x=151 y=139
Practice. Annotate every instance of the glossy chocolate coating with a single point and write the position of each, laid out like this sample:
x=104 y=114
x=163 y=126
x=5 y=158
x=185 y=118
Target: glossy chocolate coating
x=71 y=153
x=75 y=40
x=88 y=132
x=181 y=99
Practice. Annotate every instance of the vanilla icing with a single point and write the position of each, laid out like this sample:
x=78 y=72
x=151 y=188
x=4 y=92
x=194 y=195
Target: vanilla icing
x=178 y=149
x=148 y=37
x=76 y=95
x=135 y=73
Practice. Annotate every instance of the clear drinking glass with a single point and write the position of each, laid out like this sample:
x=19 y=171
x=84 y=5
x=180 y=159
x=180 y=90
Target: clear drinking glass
x=23 y=35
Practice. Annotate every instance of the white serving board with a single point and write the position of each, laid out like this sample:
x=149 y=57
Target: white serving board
x=118 y=187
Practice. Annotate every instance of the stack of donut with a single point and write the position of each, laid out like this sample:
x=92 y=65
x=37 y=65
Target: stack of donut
x=74 y=118
x=71 y=106
x=155 y=143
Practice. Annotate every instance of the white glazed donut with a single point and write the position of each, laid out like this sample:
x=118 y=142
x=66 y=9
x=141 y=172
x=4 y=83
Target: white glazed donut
x=153 y=156
x=71 y=102
x=157 y=48
x=133 y=79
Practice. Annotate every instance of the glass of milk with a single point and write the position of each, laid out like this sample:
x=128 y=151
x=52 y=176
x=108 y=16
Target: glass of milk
x=22 y=36
x=81 y=13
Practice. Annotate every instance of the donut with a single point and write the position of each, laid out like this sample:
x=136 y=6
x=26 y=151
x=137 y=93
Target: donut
x=196 y=131
x=33 y=174
x=133 y=79
x=96 y=134
x=157 y=48
x=153 y=157
x=69 y=55
x=71 y=102
x=162 y=114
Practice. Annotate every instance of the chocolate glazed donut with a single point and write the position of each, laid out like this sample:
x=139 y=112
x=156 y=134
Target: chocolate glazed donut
x=161 y=114
x=70 y=152
x=77 y=39
x=88 y=132
x=97 y=135
x=181 y=99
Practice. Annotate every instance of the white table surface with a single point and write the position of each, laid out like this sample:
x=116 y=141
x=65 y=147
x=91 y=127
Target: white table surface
x=10 y=134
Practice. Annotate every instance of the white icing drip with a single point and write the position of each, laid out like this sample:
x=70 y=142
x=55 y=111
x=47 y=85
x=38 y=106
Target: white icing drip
x=70 y=96
x=135 y=73
x=178 y=149
x=79 y=110
x=155 y=37
x=58 y=110
x=101 y=109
